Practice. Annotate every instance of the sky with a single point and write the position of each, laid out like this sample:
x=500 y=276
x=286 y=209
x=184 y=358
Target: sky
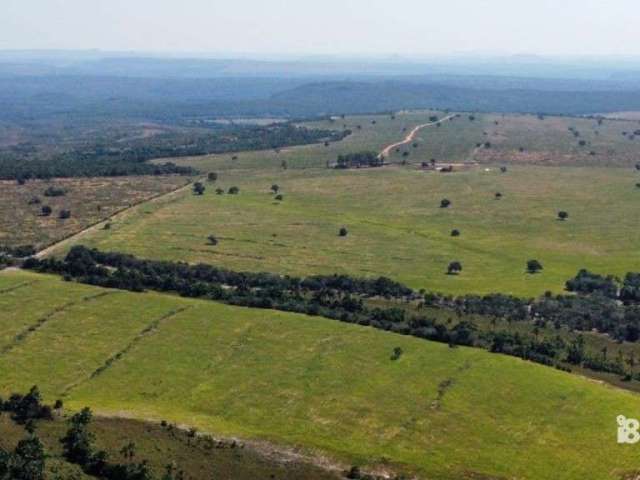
x=326 y=27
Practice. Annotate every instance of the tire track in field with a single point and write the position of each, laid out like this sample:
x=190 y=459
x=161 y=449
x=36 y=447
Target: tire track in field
x=42 y=321
x=17 y=287
x=146 y=331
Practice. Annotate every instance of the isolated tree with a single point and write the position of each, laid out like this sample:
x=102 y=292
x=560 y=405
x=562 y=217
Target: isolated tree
x=454 y=268
x=234 y=190
x=498 y=195
x=397 y=353
x=503 y=169
x=534 y=266
x=487 y=144
x=455 y=233
x=279 y=197
x=445 y=203
x=64 y=214
x=275 y=188
x=343 y=232
x=219 y=191
x=198 y=188
x=46 y=210
x=562 y=215
x=212 y=240
x=212 y=177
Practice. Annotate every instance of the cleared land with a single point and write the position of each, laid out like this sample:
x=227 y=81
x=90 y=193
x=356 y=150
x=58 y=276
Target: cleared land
x=302 y=381
x=397 y=228
x=89 y=200
x=548 y=141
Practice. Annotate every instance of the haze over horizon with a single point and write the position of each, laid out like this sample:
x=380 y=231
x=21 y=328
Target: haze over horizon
x=408 y=28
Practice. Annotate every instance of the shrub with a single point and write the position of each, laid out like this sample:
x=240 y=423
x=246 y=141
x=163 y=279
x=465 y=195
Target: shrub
x=64 y=214
x=562 y=215
x=234 y=191
x=54 y=192
x=454 y=268
x=343 y=232
x=46 y=211
x=445 y=203
x=455 y=233
x=198 y=188
x=534 y=266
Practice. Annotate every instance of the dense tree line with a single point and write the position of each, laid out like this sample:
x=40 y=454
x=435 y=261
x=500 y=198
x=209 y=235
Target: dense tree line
x=359 y=160
x=131 y=158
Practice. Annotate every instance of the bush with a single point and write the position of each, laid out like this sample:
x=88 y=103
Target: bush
x=54 y=192
x=454 y=268
x=343 y=232
x=64 y=214
x=46 y=210
x=534 y=266
x=445 y=203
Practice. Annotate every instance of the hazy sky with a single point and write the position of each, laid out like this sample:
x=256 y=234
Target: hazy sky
x=409 y=27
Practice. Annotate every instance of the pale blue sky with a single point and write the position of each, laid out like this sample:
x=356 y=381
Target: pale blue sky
x=409 y=27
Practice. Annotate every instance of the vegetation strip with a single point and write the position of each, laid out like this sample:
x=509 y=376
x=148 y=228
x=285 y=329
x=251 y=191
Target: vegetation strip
x=22 y=336
x=153 y=326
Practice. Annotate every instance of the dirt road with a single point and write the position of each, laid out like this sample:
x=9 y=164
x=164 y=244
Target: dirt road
x=97 y=226
x=412 y=135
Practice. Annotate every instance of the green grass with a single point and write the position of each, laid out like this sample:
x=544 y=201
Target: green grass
x=327 y=387
x=397 y=228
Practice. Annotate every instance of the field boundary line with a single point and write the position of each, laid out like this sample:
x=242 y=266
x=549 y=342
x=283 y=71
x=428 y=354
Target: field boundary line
x=94 y=226
x=42 y=321
x=146 y=331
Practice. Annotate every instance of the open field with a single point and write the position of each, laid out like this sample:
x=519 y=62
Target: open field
x=397 y=228
x=327 y=387
x=546 y=141
x=88 y=199
x=370 y=136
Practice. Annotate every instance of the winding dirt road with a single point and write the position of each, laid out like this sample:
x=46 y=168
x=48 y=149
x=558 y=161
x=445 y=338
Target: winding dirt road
x=412 y=135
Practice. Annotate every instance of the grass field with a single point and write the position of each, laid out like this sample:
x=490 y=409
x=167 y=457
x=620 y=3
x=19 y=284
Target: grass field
x=397 y=228
x=301 y=381
x=89 y=200
x=548 y=142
